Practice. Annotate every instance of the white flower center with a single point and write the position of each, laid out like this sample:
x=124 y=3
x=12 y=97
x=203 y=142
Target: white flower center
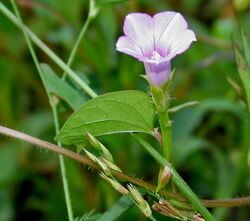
x=156 y=57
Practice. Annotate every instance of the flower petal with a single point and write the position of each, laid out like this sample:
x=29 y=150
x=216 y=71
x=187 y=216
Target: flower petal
x=169 y=27
x=159 y=73
x=138 y=27
x=127 y=46
x=182 y=43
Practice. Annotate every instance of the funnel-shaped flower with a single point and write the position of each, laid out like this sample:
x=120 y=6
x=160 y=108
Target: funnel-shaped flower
x=155 y=41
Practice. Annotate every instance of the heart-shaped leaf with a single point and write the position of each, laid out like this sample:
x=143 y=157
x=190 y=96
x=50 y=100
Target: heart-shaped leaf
x=118 y=112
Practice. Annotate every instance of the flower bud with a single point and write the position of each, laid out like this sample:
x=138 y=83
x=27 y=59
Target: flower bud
x=99 y=162
x=117 y=186
x=140 y=202
x=100 y=147
x=110 y=164
x=104 y=167
x=164 y=178
x=90 y=155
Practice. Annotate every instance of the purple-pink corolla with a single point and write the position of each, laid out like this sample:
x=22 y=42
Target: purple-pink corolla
x=155 y=41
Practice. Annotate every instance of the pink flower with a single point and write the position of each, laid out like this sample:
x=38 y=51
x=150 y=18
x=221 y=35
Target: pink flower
x=155 y=41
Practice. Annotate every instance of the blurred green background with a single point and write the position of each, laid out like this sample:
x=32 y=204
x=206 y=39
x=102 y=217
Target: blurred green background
x=209 y=138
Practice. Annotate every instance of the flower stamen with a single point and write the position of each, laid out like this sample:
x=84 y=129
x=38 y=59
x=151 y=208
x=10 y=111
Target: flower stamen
x=156 y=57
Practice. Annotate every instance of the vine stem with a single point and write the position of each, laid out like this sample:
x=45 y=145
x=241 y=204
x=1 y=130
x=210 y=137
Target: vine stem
x=161 y=99
x=53 y=105
x=165 y=125
x=121 y=176
x=77 y=43
x=62 y=165
x=48 y=51
x=180 y=183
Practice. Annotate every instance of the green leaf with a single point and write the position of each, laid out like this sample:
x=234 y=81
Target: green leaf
x=182 y=106
x=118 y=112
x=88 y=216
x=121 y=206
x=62 y=89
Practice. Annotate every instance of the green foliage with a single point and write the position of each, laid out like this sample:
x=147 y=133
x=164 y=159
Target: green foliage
x=187 y=121
x=61 y=89
x=120 y=207
x=88 y=217
x=117 y=112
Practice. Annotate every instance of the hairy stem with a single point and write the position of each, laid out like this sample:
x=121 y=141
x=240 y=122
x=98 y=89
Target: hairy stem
x=161 y=98
x=123 y=177
x=235 y=202
x=165 y=125
x=79 y=158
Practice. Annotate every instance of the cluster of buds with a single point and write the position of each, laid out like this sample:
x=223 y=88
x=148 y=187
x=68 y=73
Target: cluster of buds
x=105 y=162
x=99 y=162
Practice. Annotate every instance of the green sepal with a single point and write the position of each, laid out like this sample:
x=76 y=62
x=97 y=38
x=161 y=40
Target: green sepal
x=161 y=95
